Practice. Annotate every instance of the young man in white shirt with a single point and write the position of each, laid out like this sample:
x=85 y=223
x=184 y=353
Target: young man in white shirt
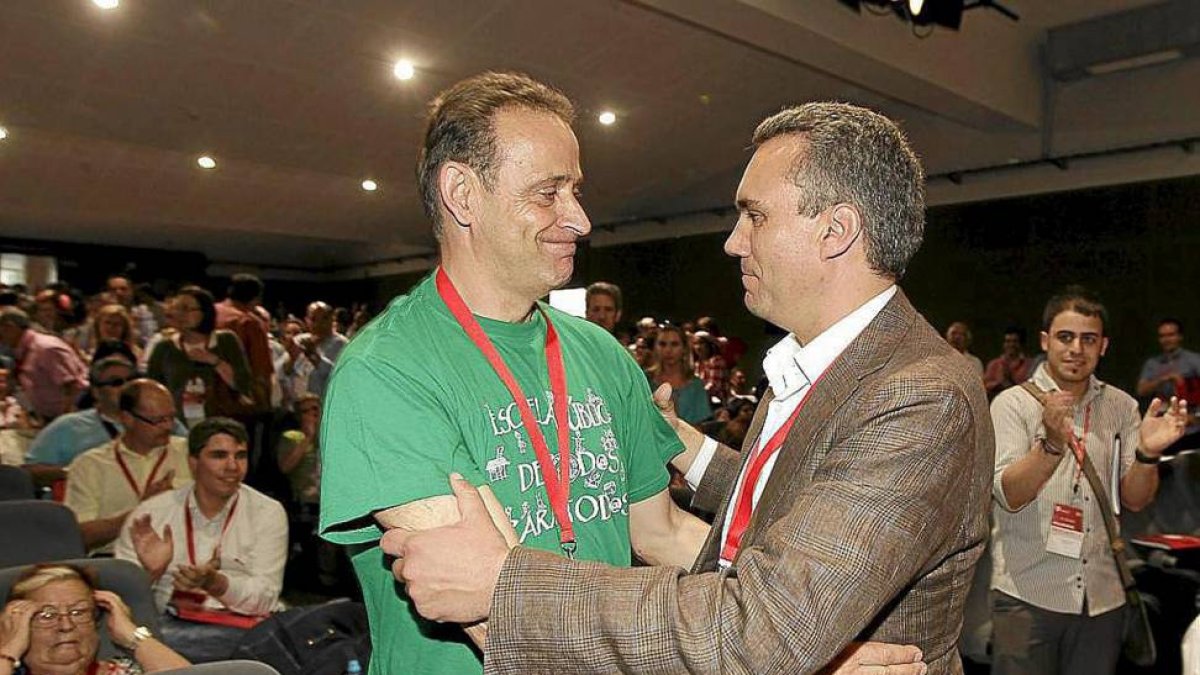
x=231 y=548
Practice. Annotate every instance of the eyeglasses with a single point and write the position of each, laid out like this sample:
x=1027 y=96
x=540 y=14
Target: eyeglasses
x=1066 y=337
x=113 y=382
x=80 y=616
x=152 y=421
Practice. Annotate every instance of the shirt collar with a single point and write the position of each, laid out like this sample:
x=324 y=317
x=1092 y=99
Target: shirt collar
x=194 y=505
x=1041 y=377
x=790 y=368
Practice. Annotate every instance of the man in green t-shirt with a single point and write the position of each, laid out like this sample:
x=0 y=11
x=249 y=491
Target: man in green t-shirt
x=459 y=377
x=413 y=398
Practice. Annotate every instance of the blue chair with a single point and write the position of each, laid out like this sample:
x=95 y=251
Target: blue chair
x=15 y=483
x=33 y=531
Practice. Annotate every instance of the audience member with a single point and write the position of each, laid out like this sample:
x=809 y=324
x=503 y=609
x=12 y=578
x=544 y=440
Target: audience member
x=673 y=365
x=12 y=415
x=106 y=482
x=113 y=322
x=204 y=367
x=237 y=314
x=48 y=627
x=958 y=334
x=232 y=549
x=49 y=372
x=303 y=370
x=643 y=351
x=604 y=305
x=1012 y=367
x=321 y=343
x=711 y=367
x=298 y=455
x=121 y=288
x=732 y=348
x=70 y=435
x=1057 y=594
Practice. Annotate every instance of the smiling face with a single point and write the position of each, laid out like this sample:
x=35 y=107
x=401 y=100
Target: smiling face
x=778 y=248
x=527 y=225
x=220 y=467
x=65 y=644
x=1074 y=345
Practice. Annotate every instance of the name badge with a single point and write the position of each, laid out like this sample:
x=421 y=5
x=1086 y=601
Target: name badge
x=1066 y=531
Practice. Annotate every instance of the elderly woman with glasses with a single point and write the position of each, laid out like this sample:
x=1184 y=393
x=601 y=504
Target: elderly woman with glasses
x=48 y=627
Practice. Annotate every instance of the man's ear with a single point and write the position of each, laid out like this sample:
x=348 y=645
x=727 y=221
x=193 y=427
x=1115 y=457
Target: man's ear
x=842 y=229
x=456 y=183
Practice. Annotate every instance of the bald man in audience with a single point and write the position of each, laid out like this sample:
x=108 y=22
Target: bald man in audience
x=105 y=483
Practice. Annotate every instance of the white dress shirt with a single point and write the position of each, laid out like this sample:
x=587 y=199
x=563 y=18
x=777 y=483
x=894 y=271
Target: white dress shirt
x=791 y=369
x=253 y=549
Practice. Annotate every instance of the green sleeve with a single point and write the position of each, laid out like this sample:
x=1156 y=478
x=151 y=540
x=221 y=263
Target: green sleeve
x=649 y=440
x=386 y=440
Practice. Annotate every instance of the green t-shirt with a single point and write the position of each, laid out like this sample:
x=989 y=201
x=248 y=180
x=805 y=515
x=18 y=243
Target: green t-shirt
x=413 y=399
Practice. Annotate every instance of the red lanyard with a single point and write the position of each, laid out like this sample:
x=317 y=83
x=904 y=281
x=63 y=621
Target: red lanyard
x=1079 y=445
x=129 y=475
x=558 y=488
x=744 y=499
x=187 y=523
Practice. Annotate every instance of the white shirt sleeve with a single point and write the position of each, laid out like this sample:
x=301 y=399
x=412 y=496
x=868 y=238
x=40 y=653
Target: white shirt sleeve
x=700 y=465
x=254 y=589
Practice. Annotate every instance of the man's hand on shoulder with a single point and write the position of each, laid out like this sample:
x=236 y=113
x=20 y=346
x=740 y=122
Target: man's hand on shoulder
x=450 y=572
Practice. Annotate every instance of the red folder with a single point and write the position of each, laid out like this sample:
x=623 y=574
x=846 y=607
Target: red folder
x=190 y=607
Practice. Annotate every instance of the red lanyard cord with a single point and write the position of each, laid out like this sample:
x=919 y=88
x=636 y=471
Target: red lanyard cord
x=187 y=523
x=744 y=498
x=129 y=474
x=558 y=487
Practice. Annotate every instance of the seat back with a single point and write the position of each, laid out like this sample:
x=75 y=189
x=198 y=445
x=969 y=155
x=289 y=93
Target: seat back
x=126 y=579
x=33 y=531
x=15 y=483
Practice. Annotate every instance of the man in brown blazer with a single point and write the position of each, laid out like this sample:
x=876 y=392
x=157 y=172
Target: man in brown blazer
x=858 y=507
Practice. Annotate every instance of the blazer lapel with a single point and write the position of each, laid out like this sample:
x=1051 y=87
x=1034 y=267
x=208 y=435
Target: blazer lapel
x=711 y=551
x=869 y=352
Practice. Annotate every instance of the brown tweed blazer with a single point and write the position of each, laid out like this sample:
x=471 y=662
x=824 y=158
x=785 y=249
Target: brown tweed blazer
x=869 y=527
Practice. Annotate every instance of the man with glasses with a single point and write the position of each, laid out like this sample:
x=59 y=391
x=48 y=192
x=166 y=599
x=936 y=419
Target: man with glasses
x=106 y=482
x=1055 y=588
x=70 y=435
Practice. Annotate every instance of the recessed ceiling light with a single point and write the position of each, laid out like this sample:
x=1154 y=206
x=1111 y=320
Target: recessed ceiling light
x=206 y=162
x=404 y=69
x=608 y=117
x=3 y=133
x=369 y=185
x=106 y=4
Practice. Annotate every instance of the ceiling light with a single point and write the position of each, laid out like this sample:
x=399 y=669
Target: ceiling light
x=369 y=185
x=206 y=162
x=106 y=4
x=404 y=70
x=915 y=6
x=608 y=117
x=3 y=133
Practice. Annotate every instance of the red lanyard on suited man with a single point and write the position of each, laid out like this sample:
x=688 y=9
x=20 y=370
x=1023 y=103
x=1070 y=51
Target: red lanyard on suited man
x=743 y=500
x=558 y=487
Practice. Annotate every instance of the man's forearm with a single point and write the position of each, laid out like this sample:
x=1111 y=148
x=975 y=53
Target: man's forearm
x=101 y=531
x=692 y=441
x=1024 y=478
x=664 y=534
x=1139 y=485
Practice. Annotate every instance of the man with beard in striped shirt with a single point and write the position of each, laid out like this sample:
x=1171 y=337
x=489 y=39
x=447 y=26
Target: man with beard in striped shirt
x=1055 y=588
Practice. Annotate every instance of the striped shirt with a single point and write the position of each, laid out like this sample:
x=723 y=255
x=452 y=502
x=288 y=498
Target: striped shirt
x=1022 y=567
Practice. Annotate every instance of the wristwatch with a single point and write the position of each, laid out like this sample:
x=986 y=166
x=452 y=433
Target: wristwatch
x=16 y=662
x=1143 y=458
x=140 y=633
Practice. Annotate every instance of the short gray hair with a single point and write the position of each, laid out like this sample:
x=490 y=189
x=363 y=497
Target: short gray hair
x=859 y=157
